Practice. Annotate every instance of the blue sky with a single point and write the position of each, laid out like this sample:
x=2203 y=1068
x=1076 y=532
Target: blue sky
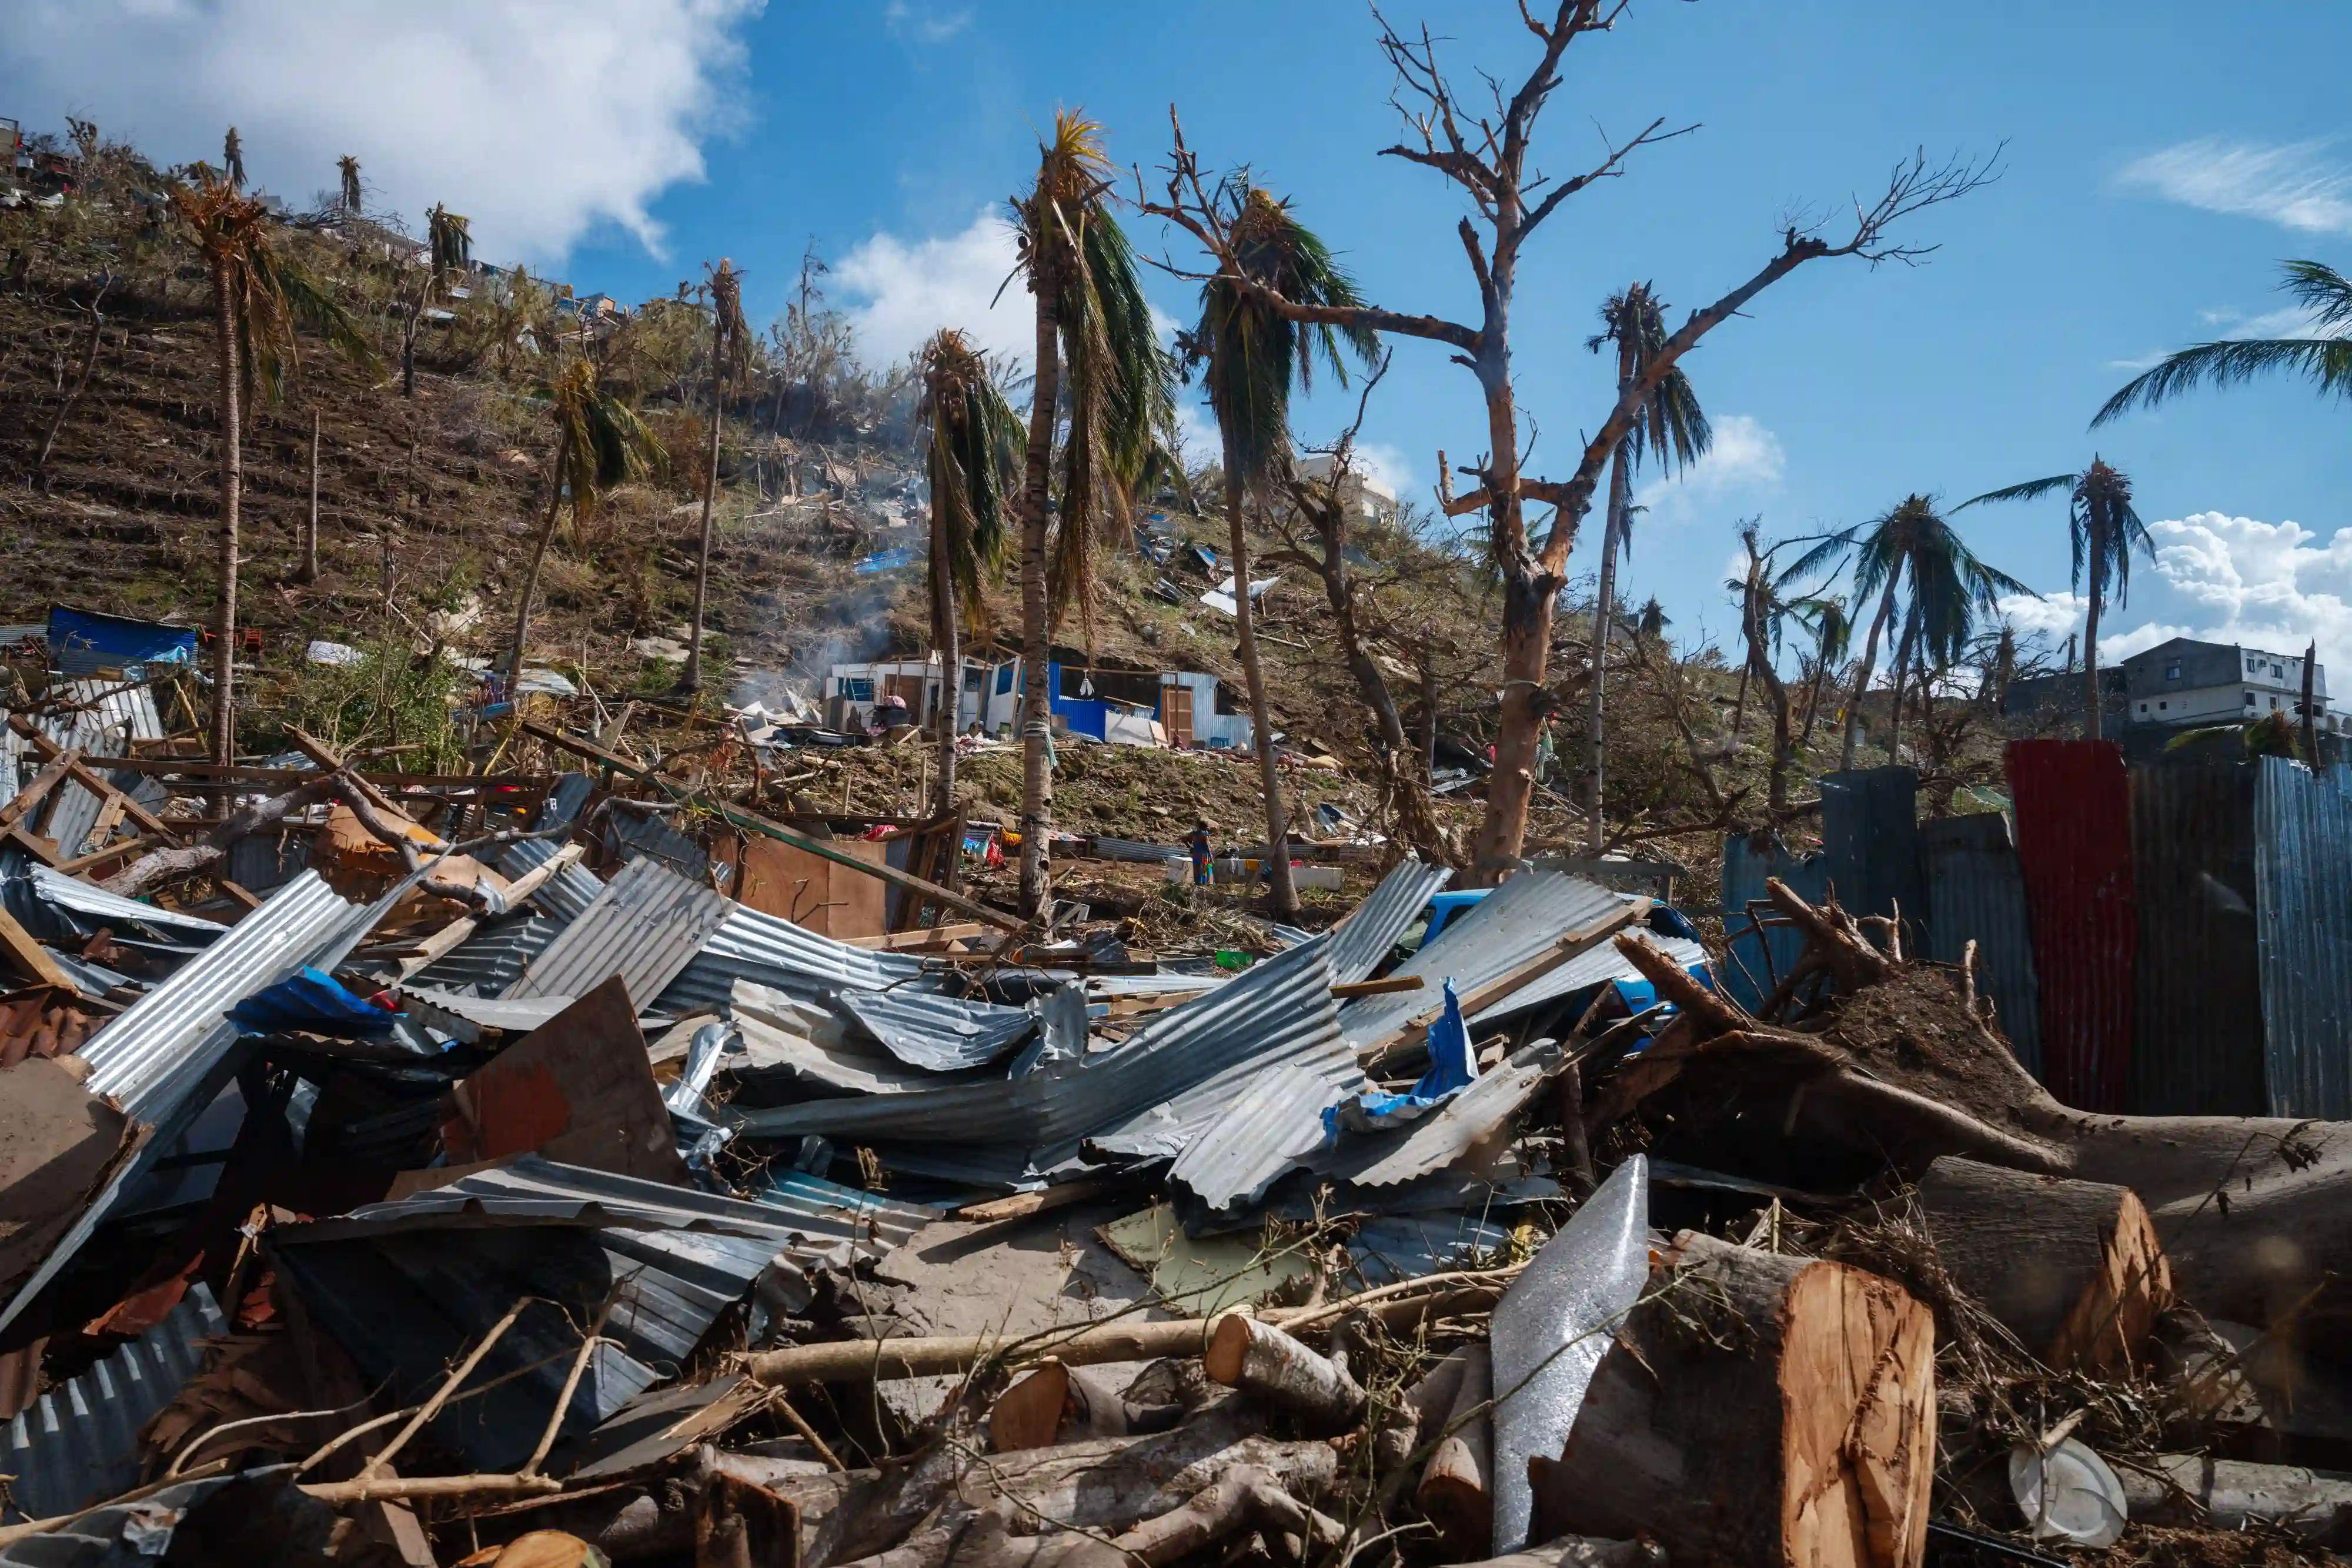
x=639 y=138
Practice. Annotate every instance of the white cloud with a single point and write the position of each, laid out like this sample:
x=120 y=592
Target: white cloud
x=2289 y=185
x=2274 y=586
x=1745 y=461
x=1388 y=466
x=904 y=291
x=1196 y=434
x=925 y=24
x=540 y=123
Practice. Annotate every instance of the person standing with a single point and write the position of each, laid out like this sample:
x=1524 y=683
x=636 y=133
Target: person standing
x=1199 y=847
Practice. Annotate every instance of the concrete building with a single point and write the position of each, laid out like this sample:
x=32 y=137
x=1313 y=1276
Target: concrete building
x=1131 y=706
x=1367 y=499
x=2185 y=683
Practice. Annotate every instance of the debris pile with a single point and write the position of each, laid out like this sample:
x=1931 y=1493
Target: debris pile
x=486 y=1175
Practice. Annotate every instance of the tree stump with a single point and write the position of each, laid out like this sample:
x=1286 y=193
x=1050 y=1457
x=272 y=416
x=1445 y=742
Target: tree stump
x=1755 y=1409
x=2073 y=1268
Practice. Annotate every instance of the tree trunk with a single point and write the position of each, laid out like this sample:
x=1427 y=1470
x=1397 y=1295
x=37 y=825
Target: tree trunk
x=1797 y=1425
x=538 y=558
x=2091 y=704
x=1282 y=893
x=1814 y=701
x=1903 y=650
x=232 y=486
x=1529 y=596
x=1604 y=612
x=1878 y=624
x=946 y=638
x=2072 y=1268
x=1259 y=1359
x=1457 y=1485
x=1037 y=494
x=690 y=678
x=1429 y=691
x=1403 y=774
x=1784 y=746
x=309 y=570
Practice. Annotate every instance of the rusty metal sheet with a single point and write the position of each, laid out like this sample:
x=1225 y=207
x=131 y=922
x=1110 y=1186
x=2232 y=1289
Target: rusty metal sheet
x=2074 y=846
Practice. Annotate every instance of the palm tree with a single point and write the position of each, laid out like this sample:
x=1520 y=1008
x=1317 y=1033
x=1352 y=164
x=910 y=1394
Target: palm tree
x=449 y=246
x=2326 y=361
x=1093 y=332
x=600 y=442
x=2105 y=530
x=1833 y=634
x=1671 y=424
x=1910 y=552
x=259 y=293
x=1651 y=624
x=970 y=455
x=347 y=168
x=1251 y=356
x=730 y=359
x=233 y=158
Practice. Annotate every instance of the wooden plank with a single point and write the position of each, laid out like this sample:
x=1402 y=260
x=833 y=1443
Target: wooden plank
x=30 y=956
x=36 y=790
x=81 y=774
x=123 y=851
x=752 y=821
x=239 y=892
x=1349 y=989
x=31 y=842
x=925 y=937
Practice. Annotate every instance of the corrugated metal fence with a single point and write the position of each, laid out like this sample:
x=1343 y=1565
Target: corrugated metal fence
x=1760 y=959
x=1870 y=845
x=1976 y=893
x=2197 y=1035
x=2302 y=877
x=2073 y=845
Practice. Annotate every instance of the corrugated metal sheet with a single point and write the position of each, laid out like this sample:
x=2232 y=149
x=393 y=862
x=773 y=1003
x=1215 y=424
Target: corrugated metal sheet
x=493 y=957
x=464 y=1018
x=80 y=1442
x=1757 y=959
x=63 y=908
x=1976 y=893
x=1276 y=1123
x=108 y=716
x=1392 y=1249
x=1110 y=849
x=940 y=1033
x=2302 y=875
x=1510 y=927
x=645 y=835
x=565 y=893
x=1363 y=939
x=264 y=862
x=749 y=946
x=565 y=799
x=2197 y=1035
x=1870 y=845
x=1600 y=967
x=1446 y=1135
x=643 y=927
x=2073 y=847
x=169 y=1052
x=121 y=1534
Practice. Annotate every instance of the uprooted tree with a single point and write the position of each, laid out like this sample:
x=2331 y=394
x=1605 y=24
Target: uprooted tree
x=1487 y=154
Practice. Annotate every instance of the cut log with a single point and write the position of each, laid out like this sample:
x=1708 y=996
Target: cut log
x=740 y=1524
x=2230 y=1494
x=2072 y=1268
x=1259 y=1359
x=1755 y=1409
x=1456 y=1492
x=1419 y=1415
x=1060 y=1404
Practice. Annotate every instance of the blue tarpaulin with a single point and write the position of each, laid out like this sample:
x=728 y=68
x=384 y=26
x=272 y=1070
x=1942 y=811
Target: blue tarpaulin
x=314 y=1002
x=85 y=643
x=1453 y=1067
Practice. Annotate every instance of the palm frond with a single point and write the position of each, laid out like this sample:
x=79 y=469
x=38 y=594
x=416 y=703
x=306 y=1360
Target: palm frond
x=2031 y=490
x=2320 y=290
x=2326 y=362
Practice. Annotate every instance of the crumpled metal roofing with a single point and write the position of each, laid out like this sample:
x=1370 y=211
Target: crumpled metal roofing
x=110 y=716
x=564 y=894
x=1109 y=849
x=940 y=1033
x=464 y=1018
x=1373 y=926
x=644 y=926
x=645 y=835
x=493 y=957
x=1447 y=1133
x=162 y=1058
x=1602 y=965
x=1507 y=929
x=79 y=1441
x=1278 y=1123
x=749 y=946
x=63 y=908
x=140 y=1532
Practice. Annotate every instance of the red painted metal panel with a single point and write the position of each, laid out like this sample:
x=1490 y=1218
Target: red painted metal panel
x=2073 y=845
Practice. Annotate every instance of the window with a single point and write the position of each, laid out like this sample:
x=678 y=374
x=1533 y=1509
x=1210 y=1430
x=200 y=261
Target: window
x=1005 y=681
x=2172 y=671
x=2274 y=705
x=2161 y=706
x=857 y=688
x=973 y=680
x=2250 y=699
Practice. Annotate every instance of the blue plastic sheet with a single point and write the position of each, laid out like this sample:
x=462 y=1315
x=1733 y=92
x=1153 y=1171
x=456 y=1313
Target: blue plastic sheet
x=1453 y=1067
x=314 y=1002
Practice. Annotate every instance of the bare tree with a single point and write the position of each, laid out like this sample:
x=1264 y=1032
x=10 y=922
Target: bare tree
x=1486 y=151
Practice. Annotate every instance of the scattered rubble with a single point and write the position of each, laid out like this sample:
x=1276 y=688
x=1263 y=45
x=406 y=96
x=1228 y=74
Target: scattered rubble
x=502 y=1166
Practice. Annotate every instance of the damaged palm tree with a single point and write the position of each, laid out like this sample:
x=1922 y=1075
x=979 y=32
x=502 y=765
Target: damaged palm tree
x=260 y=294
x=730 y=360
x=1252 y=354
x=600 y=442
x=449 y=247
x=1104 y=381
x=969 y=457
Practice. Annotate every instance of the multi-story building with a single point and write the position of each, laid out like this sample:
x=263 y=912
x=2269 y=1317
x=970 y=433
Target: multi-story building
x=2185 y=683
